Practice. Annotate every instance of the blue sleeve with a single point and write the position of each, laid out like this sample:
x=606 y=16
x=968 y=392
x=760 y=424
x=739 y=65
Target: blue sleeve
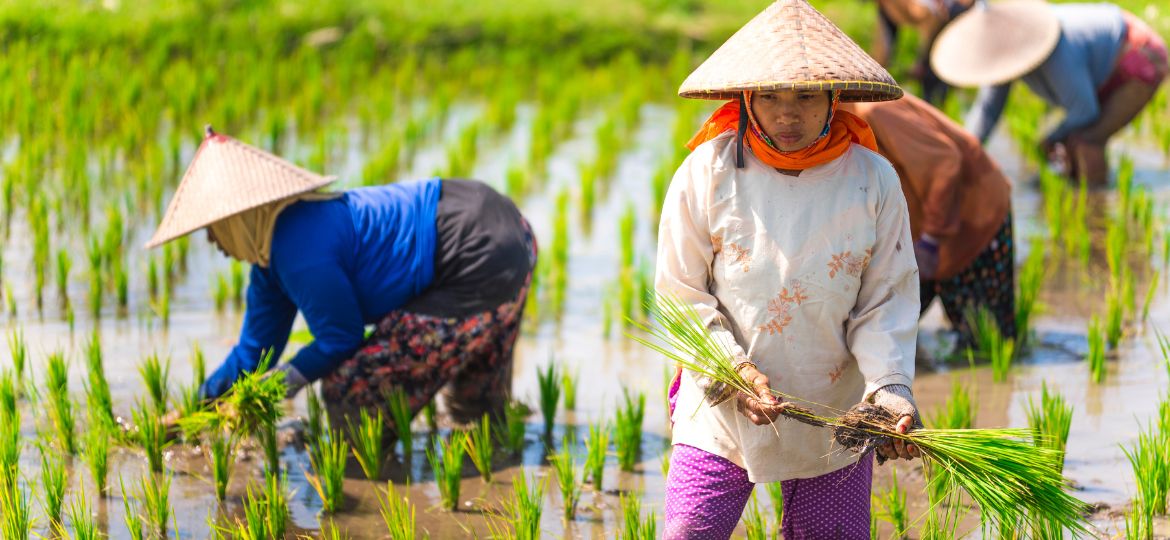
x=1069 y=80
x=326 y=297
x=268 y=320
x=986 y=110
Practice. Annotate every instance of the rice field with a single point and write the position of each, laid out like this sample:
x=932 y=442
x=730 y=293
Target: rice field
x=570 y=110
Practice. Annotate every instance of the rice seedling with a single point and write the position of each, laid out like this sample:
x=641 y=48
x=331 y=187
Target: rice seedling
x=188 y=401
x=558 y=277
x=64 y=265
x=754 y=524
x=510 y=431
x=9 y=300
x=1139 y=523
x=236 y=273
x=1114 y=316
x=985 y=332
x=16 y=521
x=1151 y=291
x=221 y=449
x=266 y=511
x=447 y=464
x=567 y=481
x=327 y=458
x=550 y=394
x=155 y=496
x=366 y=435
x=10 y=437
x=569 y=389
x=1000 y=469
x=478 y=445
x=1001 y=358
x=633 y=526
x=628 y=430
x=315 y=423
x=150 y=434
x=18 y=350
x=1028 y=282
x=252 y=405
x=53 y=483
x=893 y=506
x=1051 y=422
x=400 y=413
x=220 y=293
x=60 y=404
x=776 y=494
x=430 y=413
x=155 y=374
x=152 y=280
x=397 y=513
x=81 y=520
x=958 y=412
x=596 y=449
x=1151 y=469
x=588 y=187
x=131 y=514
x=97 y=457
x=1096 y=355
x=198 y=365
x=522 y=509
x=121 y=290
x=97 y=389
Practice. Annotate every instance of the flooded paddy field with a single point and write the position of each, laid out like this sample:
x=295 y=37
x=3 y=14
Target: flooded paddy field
x=586 y=147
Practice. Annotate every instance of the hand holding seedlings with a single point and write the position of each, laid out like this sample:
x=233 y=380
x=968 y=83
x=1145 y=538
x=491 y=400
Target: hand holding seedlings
x=762 y=408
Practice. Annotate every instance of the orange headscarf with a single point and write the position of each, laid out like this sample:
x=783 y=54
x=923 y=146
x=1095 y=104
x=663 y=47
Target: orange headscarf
x=844 y=128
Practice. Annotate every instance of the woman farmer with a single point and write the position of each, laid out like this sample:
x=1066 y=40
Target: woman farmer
x=960 y=210
x=927 y=17
x=439 y=267
x=789 y=235
x=1100 y=64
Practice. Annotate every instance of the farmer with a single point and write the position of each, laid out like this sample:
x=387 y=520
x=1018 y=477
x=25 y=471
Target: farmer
x=960 y=210
x=1097 y=62
x=789 y=235
x=439 y=267
x=927 y=17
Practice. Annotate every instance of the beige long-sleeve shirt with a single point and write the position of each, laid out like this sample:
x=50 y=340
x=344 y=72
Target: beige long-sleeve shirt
x=813 y=277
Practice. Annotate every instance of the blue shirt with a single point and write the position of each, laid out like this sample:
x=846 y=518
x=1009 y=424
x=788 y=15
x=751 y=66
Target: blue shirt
x=343 y=263
x=1091 y=37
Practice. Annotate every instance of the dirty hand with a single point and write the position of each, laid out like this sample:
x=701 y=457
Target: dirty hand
x=926 y=253
x=294 y=381
x=898 y=399
x=761 y=408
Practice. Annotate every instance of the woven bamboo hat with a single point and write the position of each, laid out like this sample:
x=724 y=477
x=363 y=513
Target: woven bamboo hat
x=994 y=43
x=227 y=177
x=790 y=46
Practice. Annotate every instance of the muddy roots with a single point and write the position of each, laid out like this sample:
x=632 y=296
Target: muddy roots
x=861 y=428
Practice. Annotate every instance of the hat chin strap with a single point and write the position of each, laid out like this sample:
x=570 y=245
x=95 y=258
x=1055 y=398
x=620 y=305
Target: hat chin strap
x=743 y=122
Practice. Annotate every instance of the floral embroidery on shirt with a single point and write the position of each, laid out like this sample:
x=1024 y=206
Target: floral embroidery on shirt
x=740 y=254
x=716 y=243
x=780 y=308
x=853 y=265
x=836 y=374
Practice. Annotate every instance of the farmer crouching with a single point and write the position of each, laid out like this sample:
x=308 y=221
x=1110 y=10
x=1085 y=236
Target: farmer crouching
x=441 y=268
x=789 y=235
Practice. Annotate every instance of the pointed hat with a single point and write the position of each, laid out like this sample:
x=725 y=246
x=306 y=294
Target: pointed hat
x=995 y=42
x=227 y=177
x=790 y=46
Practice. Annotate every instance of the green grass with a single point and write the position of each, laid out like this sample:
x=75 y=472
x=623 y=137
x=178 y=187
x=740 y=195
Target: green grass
x=633 y=526
x=565 y=471
x=478 y=445
x=327 y=457
x=892 y=504
x=628 y=429
x=60 y=403
x=1000 y=469
x=154 y=492
x=550 y=394
x=510 y=429
x=97 y=457
x=155 y=375
x=399 y=405
x=398 y=514
x=367 y=439
x=447 y=464
x=596 y=450
x=53 y=484
x=150 y=434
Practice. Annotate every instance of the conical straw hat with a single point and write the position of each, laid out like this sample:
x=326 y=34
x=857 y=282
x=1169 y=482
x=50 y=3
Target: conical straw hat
x=995 y=43
x=227 y=177
x=790 y=46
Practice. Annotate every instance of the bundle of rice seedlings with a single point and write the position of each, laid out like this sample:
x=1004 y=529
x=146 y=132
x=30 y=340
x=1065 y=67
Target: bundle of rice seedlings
x=567 y=481
x=448 y=468
x=596 y=448
x=550 y=395
x=367 y=443
x=327 y=458
x=1001 y=469
x=478 y=444
x=252 y=405
x=398 y=514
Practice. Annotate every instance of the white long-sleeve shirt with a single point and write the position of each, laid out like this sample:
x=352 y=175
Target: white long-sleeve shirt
x=812 y=277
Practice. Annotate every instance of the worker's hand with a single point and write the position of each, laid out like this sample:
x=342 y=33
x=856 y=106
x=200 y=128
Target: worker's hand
x=898 y=399
x=926 y=253
x=294 y=381
x=762 y=408
x=1058 y=156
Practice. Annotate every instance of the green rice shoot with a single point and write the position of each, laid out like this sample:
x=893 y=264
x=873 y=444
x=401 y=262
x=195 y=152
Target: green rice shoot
x=155 y=496
x=150 y=434
x=447 y=464
x=53 y=484
x=479 y=447
x=596 y=450
x=510 y=430
x=398 y=514
x=60 y=404
x=550 y=395
x=565 y=471
x=628 y=429
x=327 y=457
x=367 y=439
x=401 y=413
x=155 y=374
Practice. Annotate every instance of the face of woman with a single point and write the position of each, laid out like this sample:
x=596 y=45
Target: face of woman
x=793 y=120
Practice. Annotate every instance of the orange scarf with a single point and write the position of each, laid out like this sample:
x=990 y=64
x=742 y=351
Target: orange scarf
x=844 y=128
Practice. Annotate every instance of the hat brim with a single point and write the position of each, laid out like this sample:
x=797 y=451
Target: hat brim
x=995 y=43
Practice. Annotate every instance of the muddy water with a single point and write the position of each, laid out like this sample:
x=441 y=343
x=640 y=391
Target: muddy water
x=1106 y=415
